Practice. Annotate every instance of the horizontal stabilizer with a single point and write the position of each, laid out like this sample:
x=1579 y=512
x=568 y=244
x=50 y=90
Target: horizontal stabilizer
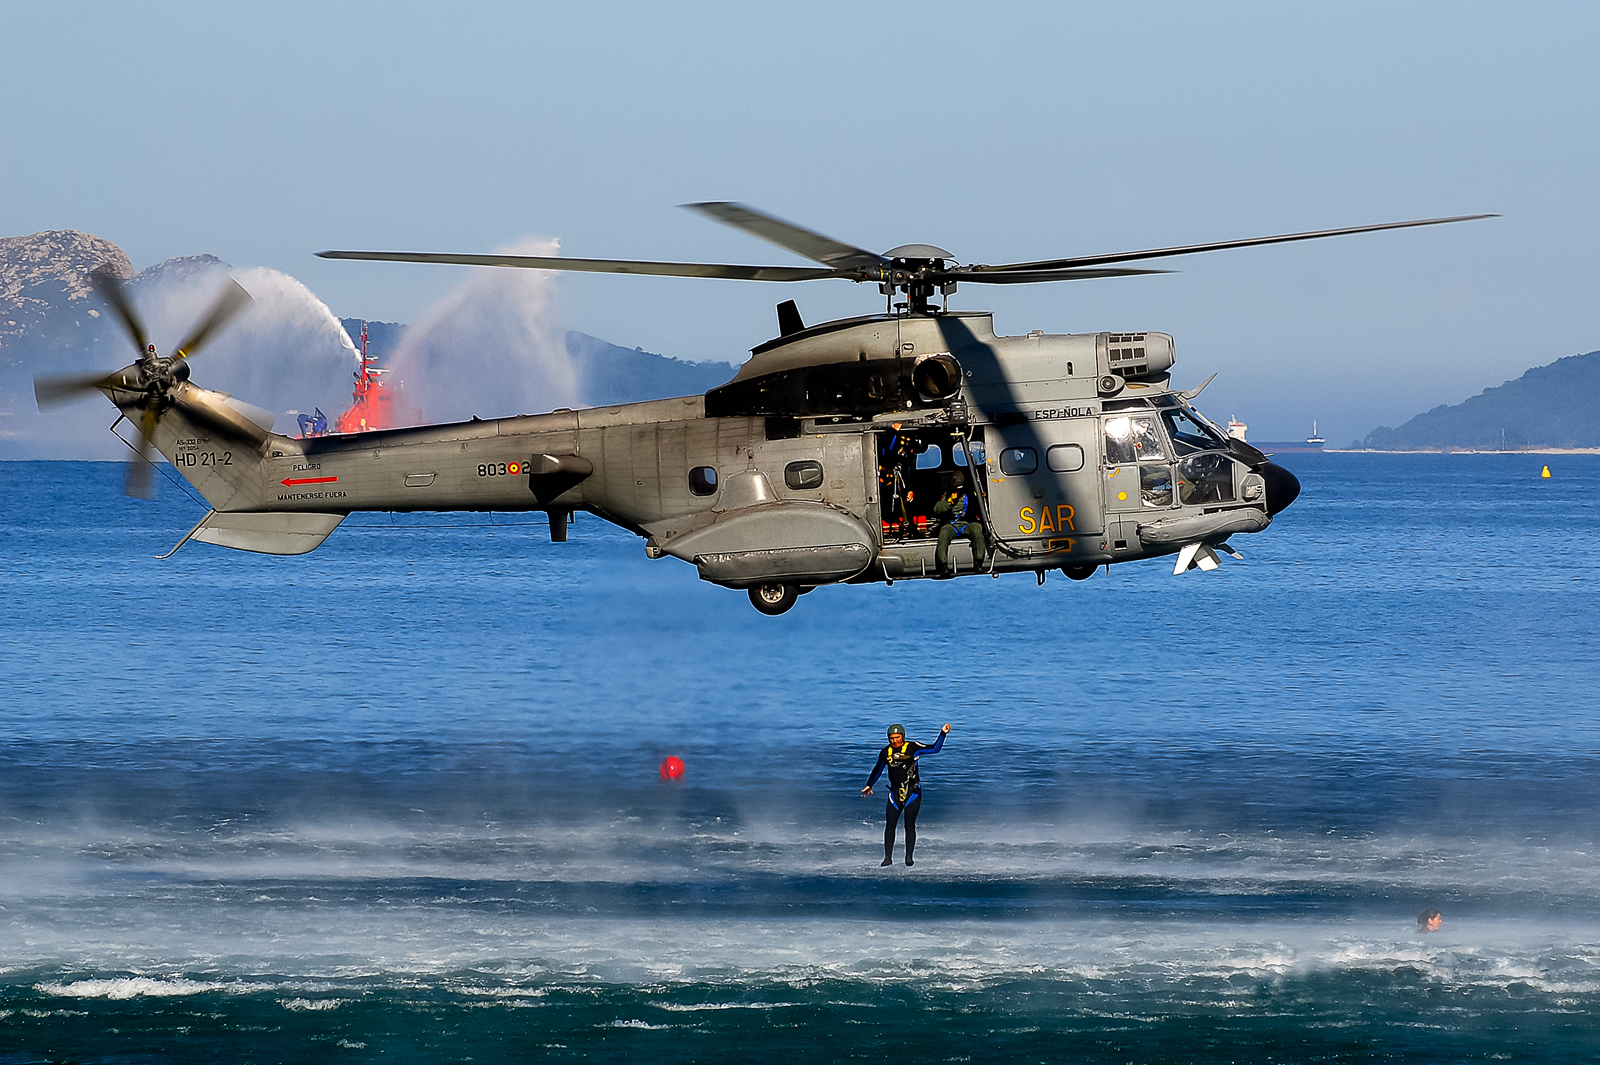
x=269 y=533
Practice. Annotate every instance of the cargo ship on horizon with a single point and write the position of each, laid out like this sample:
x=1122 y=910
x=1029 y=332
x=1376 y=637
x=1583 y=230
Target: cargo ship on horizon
x=1312 y=443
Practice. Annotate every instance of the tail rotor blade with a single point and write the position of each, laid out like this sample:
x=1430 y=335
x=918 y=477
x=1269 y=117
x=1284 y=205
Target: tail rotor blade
x=232 y=300
x=114 y=291
x=141 y=469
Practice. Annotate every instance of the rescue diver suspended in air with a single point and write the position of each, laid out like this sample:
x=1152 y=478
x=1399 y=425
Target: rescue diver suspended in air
x=905 y=789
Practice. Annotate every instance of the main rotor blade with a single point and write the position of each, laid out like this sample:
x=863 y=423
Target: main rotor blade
x=114 y=291
x=52 y=390
x=141 y=483
x=1190 y=249
x=1025 y=277
x=798 y=239
x=232 y=300
x=599 y=266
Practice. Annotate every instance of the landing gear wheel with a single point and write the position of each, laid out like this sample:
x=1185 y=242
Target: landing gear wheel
x=1079 y=573
x=773 y=598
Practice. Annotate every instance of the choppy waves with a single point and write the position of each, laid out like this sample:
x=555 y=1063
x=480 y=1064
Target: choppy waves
x=952 y=990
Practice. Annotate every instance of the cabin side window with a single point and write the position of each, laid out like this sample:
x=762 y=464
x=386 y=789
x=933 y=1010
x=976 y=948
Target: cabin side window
x=803 y=476
x=1018 y=461
x=1064 y=458
x=703 y=480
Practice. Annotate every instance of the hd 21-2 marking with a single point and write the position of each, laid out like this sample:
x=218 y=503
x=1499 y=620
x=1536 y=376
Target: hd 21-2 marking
x=203 y=458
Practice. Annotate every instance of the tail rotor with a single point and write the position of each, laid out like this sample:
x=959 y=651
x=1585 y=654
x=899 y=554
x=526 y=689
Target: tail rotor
x=151 y=385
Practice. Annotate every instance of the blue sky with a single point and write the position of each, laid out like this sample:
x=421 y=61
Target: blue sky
x=264 y=133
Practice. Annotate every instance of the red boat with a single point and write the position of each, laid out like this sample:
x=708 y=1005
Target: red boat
x=374 y=403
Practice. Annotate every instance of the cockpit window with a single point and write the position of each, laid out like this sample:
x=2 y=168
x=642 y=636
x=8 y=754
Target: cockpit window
x=1133 y=438
x=1190 y=434
x=930 y=457
x=974 y=448
x=1205 y=478
x=1155 y=486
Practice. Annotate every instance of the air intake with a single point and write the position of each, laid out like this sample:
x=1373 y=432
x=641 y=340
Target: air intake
x=1131 y=355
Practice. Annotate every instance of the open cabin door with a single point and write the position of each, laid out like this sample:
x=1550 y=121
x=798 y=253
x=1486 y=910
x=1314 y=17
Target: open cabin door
x=916 y=466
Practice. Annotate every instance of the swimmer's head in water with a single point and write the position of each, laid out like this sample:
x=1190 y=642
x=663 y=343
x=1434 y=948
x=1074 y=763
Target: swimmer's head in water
x=897 y=730
x=1429 y=920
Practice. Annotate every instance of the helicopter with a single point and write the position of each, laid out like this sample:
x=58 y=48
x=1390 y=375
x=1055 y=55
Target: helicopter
x=908 y=444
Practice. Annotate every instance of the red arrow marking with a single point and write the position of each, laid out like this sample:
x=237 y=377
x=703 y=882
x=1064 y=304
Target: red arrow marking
x=291 y=482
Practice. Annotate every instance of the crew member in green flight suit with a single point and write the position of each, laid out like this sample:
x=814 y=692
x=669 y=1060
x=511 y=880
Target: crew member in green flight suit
x=905 y=788
x=953 y=513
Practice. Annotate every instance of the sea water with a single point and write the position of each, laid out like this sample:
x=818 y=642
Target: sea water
x=398 y=800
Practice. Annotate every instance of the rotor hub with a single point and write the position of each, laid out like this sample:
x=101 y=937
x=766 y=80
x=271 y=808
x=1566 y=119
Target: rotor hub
x=160 y=374
x=918 y=276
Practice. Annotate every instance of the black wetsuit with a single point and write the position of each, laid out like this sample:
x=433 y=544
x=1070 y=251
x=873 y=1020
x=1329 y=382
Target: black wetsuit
x=905 y=790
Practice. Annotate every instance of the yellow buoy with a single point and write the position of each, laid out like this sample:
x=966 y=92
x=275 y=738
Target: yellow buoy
x=1545 y=473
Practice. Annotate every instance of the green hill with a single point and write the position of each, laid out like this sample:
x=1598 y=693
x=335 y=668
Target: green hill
x=1549 y=406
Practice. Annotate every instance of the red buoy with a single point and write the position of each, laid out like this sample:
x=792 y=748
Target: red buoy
x=672 y=767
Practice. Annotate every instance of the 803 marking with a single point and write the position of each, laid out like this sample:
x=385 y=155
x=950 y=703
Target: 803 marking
x=499 y=469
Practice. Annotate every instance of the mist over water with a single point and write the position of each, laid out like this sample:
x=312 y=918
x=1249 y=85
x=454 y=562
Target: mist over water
x=493 y=349
x=398 y=798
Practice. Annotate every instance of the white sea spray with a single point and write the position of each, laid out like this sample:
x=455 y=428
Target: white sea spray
x=492 y=349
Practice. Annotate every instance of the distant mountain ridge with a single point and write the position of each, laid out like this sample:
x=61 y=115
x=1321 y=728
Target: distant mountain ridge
x=1549 y=406
x=46 y=302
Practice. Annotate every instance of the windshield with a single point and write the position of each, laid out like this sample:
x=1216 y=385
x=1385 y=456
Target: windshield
x=1191 y=433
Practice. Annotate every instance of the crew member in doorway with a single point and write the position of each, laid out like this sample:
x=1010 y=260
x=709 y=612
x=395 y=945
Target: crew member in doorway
x=898 y=455
x=957 y=518
x=905 y=788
